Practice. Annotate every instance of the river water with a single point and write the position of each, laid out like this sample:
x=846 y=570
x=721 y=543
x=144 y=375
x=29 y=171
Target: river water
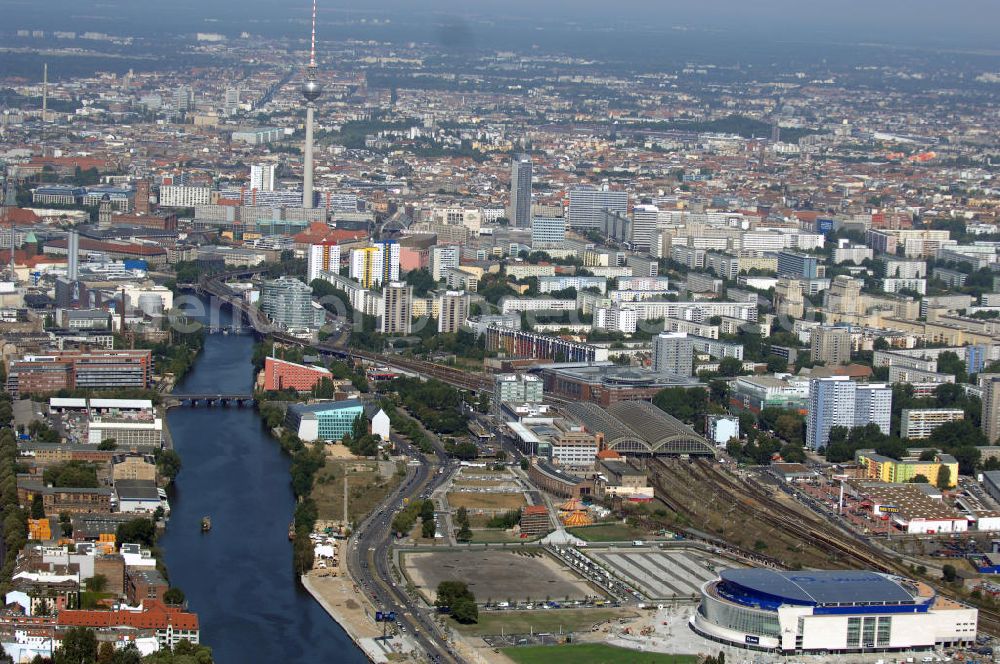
x=239 y=577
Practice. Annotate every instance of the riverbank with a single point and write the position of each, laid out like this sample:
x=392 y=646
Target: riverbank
x=340 y=598
x=239 y=577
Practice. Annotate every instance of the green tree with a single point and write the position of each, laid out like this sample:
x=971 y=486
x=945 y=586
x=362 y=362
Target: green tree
x=37 y=507
x=949 y=573
x=465 y=611
x=174 y=596
x=137 y=531
x=428 y=529
x=168 y=463
x=422 y=282
x=943 y=477
x=108 y=444
x=776 y=364
x=73 y=474
x=97 y=583
x=730 y=366
x=919 y=478
x=948 y=362
x=79 y=646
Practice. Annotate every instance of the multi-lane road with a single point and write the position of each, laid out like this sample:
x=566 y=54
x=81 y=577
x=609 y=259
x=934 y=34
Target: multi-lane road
x=369 y=555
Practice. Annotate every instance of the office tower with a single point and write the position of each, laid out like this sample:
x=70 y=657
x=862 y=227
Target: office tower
x=231 y=102
x=183 y=98
x=644 y=219
x=390 y=260
x=520 y=191
x=311 y=90
x=586 y=206
x=397 y=308
x=548 y=232
x=73 y=256
x=839 y=401
x=323 y=257
x=142 y=197
x=990 y=385
x=262 y=177
x=366 y=266
x=800 y=266
x=288 y=302
x=454 y=309
x=830 y=345
x=442 y=258
x=673 y=352
x=104 y=212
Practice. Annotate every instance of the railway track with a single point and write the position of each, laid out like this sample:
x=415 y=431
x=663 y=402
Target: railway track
x=760 y=503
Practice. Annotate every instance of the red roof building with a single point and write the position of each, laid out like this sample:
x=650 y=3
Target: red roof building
x=318 y=233
x=170 y=624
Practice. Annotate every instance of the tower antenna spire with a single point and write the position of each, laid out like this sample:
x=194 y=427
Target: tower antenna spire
x=312 y=47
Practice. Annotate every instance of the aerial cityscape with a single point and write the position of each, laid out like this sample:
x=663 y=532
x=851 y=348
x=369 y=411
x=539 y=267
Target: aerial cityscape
x=508 y=333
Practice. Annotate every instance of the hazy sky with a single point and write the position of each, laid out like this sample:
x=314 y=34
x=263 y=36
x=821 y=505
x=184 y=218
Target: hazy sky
x=952 y=23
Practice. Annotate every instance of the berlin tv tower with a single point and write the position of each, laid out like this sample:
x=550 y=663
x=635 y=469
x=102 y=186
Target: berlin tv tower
x=311 y=90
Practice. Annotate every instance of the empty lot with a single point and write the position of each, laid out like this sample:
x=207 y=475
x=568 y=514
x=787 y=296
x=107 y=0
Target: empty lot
x=497 y=575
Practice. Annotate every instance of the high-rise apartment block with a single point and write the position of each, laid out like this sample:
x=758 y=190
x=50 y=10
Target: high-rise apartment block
x=323 y=257
x=453 y=310
x=673 y=352
x=839 y=401
x=397 y=308
x=262 y=177
x=831 y=345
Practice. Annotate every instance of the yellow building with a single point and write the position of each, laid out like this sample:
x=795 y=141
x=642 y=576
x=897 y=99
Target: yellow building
x=886 y=469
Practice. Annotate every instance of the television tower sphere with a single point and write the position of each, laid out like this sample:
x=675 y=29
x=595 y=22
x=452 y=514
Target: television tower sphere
x=311 y=88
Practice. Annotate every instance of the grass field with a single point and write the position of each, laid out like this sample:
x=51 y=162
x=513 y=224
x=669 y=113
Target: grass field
x=493 y=535
x=486 y=501
x=479 y=484
x=522 y=622
x=591 y=653
x=365 y=489
x=609 y=532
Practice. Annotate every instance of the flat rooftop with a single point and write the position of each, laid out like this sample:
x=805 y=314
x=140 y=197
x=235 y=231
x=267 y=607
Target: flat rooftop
x=821 y=587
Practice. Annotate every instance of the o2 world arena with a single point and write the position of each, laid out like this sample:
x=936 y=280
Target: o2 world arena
x=829 y=612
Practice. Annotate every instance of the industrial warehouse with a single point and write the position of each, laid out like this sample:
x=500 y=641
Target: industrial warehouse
x=827 y=612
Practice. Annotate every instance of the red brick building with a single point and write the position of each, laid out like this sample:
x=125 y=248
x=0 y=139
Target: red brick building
x=143 y=584
x=281 y=375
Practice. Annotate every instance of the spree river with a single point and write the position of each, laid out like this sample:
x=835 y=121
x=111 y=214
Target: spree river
x=239 y=577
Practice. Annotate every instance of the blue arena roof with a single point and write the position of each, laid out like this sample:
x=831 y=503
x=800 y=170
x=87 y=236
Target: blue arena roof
x=820 y=587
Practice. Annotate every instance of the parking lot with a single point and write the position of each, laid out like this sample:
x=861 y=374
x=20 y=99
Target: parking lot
x=662 y=574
